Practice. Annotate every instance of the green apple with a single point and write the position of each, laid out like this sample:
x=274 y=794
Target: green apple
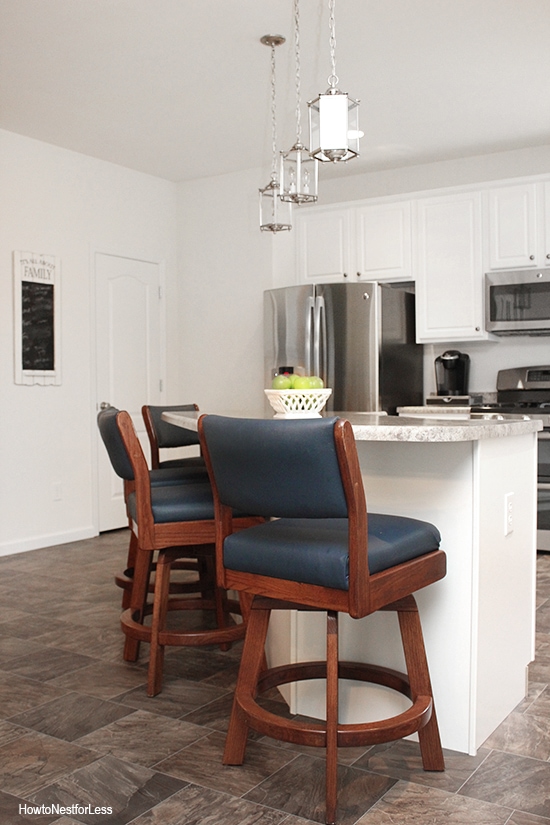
x=301 y=382
x=316 y=383
x=281 y=382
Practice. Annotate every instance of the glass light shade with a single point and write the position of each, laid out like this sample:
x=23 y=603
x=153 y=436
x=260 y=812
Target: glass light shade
x=299 y=176
x=275 y=214
x=334 y=127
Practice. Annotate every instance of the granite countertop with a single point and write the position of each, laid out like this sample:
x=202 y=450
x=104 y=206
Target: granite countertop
x=382 y=427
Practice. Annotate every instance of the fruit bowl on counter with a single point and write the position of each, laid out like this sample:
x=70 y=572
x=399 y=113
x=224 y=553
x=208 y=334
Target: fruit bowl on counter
x=298 y=403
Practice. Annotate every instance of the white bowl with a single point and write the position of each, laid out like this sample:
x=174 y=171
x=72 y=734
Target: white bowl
x=298 y=403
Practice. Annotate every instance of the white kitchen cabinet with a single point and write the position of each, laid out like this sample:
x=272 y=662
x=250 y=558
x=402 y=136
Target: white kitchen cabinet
x=513 y=227
x=545 y=246
x=449 y=268
x=383 y=242
x=371 y=242
x=323 y=244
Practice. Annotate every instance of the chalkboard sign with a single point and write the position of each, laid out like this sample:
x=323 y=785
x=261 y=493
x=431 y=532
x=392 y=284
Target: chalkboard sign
x=36 y=291
x=37 y=319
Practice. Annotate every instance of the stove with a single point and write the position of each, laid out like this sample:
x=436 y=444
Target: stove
x=522 y=390
x=526 y=390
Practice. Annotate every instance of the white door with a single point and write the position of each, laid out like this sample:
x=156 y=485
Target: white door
x=128 y=358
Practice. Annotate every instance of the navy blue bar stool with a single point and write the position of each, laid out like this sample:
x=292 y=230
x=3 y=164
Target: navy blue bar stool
x=174 y=521
x=319 y=550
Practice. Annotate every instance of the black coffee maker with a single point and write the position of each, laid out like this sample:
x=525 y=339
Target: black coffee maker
x=451 y=373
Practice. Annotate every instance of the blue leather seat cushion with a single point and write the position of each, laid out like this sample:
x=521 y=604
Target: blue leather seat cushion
x=191 y=461
x=178 y=475
x=315 y=551
x=184 y=502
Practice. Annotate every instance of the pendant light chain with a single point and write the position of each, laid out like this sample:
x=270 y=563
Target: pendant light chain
x=333 y=79
x=297 y=64
x=273 y=118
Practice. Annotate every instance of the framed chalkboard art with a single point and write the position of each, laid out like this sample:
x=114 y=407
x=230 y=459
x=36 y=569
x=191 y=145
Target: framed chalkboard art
x=36 y=281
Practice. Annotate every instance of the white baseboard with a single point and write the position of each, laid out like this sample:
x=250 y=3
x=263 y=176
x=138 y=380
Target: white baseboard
x=8 y=548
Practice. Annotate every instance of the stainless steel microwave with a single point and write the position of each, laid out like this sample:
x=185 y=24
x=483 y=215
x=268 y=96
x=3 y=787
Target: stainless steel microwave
x=517 y=302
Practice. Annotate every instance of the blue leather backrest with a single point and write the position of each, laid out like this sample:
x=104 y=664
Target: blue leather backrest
x=168 y=435
x=281 y=468
x=106 y=421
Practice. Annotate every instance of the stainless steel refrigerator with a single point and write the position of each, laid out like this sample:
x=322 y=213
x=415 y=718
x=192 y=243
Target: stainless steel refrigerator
x=359 y=338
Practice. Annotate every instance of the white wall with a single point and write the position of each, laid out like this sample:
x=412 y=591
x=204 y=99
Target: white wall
x=457 y=172
x=66 y=204
x=225 y=264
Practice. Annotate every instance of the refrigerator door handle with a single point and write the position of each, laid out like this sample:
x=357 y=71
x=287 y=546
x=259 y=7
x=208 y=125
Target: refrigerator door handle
x=319 y=335
x=310 y=325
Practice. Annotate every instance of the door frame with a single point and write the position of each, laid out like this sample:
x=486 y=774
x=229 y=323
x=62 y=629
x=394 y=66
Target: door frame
x=135 y=255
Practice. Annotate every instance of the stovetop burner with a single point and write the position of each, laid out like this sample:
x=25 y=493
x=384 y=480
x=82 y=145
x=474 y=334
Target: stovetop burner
x=513 y=405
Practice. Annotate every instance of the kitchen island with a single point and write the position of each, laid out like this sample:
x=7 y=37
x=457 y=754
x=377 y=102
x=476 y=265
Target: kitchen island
x=475 y=480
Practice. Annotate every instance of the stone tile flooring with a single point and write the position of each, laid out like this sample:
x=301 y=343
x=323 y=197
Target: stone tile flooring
x=77 y=729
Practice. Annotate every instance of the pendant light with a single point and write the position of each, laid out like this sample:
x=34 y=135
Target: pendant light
x=298 y=168
x=275 y=215
x=334 y=116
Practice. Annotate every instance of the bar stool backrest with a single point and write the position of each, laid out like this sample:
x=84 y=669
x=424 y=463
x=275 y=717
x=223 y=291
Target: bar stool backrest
x=116 y=449
x=284 y=469
x=164 y=435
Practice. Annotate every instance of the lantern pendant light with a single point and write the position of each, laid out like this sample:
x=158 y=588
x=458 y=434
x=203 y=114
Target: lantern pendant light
x=275 y=215
x=298 y=169
x=334 y=116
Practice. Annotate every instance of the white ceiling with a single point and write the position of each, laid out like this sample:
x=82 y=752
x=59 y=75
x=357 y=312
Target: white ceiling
x=180 y=88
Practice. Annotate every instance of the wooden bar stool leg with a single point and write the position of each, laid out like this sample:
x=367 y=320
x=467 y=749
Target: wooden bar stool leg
x=140 y=588
x=245 y=600
x=220 y=600
x=252 y=661
x=419 y=678
x=207 y=575
x=160 y=610
x=331 y=767
x=130 y=564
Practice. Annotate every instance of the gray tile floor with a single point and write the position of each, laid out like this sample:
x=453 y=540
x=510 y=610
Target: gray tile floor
x=77 y=729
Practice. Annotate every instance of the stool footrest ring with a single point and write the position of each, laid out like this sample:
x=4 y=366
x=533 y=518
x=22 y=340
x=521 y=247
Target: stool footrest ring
x=308 y=733
x=184 y=638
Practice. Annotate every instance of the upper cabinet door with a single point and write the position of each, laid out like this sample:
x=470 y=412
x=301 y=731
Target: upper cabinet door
x=384 y=242
x=513 y=227
x=323 y=244
x=545 y=252
x=449 y=284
